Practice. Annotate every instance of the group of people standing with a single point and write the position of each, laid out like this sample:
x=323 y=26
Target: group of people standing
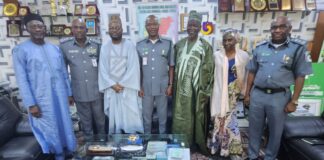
x=124 y=82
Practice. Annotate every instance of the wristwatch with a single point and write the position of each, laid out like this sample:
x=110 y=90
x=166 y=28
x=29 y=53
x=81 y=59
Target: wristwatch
x=295 y=102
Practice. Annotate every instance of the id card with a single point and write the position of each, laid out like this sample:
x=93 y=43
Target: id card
x=144 y=61
x=94 y=63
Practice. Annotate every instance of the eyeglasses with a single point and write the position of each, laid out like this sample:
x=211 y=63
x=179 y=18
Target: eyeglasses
x=37 y=26
x=281 y=27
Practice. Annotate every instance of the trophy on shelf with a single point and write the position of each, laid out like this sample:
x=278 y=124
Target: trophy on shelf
x=10 y=7
x=13 y=28
x=68 y=7
x=61 y=9
x=53 y=8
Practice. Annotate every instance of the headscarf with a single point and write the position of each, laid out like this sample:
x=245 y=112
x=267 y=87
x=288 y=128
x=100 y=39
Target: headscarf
x=233 y=32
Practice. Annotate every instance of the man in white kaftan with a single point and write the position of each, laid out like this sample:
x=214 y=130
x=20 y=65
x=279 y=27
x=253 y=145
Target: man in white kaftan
x=119 y=80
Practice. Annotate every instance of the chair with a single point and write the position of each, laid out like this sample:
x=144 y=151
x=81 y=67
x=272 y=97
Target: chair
x=16 y=138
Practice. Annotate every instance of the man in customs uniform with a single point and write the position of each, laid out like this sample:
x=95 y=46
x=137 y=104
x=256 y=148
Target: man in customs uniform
x=276 y=65
x=157 y=67
x=81 y=55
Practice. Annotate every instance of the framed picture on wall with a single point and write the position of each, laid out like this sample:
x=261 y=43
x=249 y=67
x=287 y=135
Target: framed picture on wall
x=57 y=30
x=239 y=5
x=92 y=10
x=310 y=4
x=13 y=28
x=183 y=21
x=10 y=7
x=298 y=5
x=23 y=10
x=91 y=25
x=285 y=5
x=224 y=6
x=273 y=5
x=258 y=5
x=78 y=9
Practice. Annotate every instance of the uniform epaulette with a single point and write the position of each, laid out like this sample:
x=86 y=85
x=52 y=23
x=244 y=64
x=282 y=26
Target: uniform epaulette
x=63 y=40
x=261 y=43
x=165 y=38
x=299 y=41
x=143 y=39
x=94 y=40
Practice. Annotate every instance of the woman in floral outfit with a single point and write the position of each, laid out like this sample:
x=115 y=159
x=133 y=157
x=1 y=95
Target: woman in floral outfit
x=229 y=85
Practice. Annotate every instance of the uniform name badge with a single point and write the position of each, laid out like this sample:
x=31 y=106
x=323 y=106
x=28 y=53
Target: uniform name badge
x=94 y=62
x=144 y=61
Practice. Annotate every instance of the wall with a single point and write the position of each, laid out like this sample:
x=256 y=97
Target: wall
x=253 y=26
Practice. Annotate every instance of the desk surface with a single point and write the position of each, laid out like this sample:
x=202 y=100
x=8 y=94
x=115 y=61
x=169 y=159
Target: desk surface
x=116 y=141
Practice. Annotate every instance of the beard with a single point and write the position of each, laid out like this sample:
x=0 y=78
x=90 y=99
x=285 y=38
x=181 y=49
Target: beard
x=116 y=38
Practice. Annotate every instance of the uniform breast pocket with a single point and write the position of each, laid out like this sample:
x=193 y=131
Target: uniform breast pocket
x=164 y=54
x=262 y=62
x=287 y=62
x=163 y=59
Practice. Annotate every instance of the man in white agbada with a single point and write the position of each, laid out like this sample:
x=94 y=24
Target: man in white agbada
x=119 y=80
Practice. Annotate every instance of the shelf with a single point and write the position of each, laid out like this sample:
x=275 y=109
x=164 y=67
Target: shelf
x=266 y=11
x=15 y=22
x=53 y=16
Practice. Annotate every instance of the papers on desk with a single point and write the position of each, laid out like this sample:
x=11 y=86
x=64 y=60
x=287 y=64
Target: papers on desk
x=156 y=149
x=308 y=107
x=131 y=148
x=178 y=154
x=103 y=158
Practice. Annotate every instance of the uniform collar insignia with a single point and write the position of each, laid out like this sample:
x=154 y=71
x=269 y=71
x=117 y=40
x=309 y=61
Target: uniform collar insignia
x=86 y=42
